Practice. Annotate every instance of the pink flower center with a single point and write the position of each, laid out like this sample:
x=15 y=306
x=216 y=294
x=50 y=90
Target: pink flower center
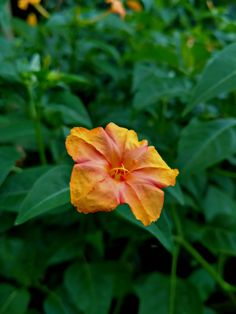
x=119 y=173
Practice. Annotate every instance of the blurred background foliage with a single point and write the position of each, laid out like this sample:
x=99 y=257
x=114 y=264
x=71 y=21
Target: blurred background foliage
x=166 y=69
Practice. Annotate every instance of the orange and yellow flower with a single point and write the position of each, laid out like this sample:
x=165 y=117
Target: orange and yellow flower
x=23 y=4
x=134 y=5
x=117 y=7
x=113 y=167
x=32 y=19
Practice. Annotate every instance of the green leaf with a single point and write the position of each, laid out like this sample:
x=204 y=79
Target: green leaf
x=19 y=258
x=35 y=63
x=218 y=77
x=151 y=85
x=160 y=229
x=8 y=71
x=55 y=77
x=2 y=3
x=219 y=236
x=204 y=283
x=71 y=108
x=203 y=144
x=90 y=288
x=48 y=192
x=54 y=305
x=148 y=51
x=176 y=192
x=15 y=187
x=208 y=310
x=152 y=92
x=13 y=300
x=153 y=294
x=5 y=19
x=7 y=222
x=218 y=202
x=13 y=131
x=8 y=157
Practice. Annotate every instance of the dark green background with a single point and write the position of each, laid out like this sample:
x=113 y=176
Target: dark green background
x=169 y=73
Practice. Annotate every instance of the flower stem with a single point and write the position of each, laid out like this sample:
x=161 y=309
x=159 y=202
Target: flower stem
x=226 y=173
x=224 y=285
x=94 y=20
x=173 y=279
x=37 y=128
x=177 y=221
x=41 y=10
x=221 y=263
x=180 y=239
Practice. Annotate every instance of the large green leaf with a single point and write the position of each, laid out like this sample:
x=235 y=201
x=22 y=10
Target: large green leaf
x=8 y=71
x=12 y=130
x=204 y=283
x=160 y=229
x=8 y=157
x=90 y=288
x=154 y=296
x=202 y=144
x=71 y=109
x=150 y=93
x=48 y=192
x=54 y=305
x=176 y=192
x=218 y=77
x=13 y=300
x=13 y=263
x=151 y=85
x=218 y=202
x=15 y=187
x=219 y=236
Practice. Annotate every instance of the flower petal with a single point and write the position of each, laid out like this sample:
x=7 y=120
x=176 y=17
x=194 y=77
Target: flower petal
x=134 y=5
x=149 y=159
x=100 y=141
x=117 y=7
x=125 y=140
x=145 y=201
x=92 y=189
x=82 y=152
x=159 y=177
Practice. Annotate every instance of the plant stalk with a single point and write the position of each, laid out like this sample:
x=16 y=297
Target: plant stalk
x=224 y=285
x=42 y=11
x=37 y=127
x=173 y=280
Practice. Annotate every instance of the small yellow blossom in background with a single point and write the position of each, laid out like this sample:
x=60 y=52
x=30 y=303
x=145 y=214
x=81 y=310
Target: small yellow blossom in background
x=117 y=7
x=190 y=42
x=32 y=19
x=23 y=4
x=113 y=167
x=210 y=4
x=134 y=5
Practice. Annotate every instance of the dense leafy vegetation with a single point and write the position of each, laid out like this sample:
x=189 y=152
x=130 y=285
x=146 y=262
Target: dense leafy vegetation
x=167 y=71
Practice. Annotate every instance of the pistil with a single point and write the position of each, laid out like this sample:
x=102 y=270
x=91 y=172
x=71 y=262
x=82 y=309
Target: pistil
x=119 y=173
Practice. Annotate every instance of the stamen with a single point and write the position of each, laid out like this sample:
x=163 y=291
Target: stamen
x=119 y=173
